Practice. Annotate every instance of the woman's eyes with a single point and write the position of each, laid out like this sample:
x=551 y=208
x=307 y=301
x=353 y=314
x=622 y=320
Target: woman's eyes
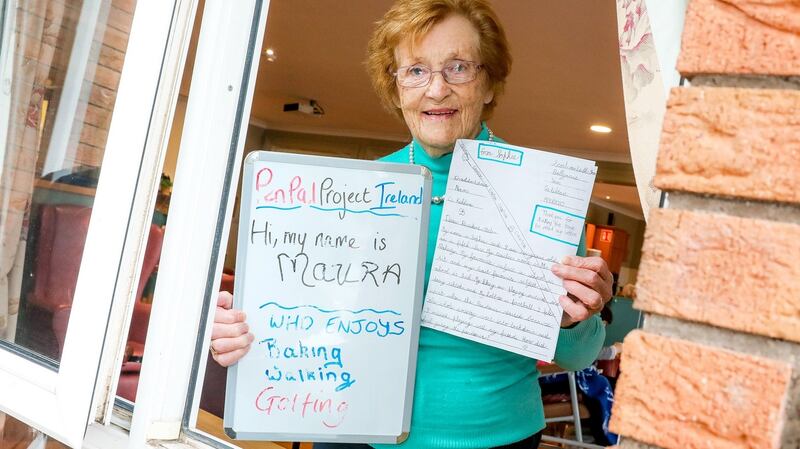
x=417 y=71
x=454 y=67
x=458 y=67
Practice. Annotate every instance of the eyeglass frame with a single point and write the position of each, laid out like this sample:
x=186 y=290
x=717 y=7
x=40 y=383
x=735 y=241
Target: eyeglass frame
x=478 y=68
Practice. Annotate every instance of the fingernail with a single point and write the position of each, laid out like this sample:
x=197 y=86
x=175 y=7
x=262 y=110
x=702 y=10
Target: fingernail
x=246 y=327
x=566 y=260
x=251 y=337
x=242 y=316
x=556 y=268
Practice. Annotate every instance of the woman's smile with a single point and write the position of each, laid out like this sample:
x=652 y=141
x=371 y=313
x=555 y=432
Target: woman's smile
x=440 y=114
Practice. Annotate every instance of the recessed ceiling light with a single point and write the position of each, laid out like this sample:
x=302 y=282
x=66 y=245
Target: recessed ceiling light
x=270 y=54
x=600 y=129
x=608 y=197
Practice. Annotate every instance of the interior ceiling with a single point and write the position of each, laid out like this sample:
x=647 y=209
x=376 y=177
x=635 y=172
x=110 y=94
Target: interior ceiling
x=565 y=77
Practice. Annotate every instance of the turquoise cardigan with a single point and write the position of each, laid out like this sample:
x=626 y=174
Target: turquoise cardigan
x=469 y=395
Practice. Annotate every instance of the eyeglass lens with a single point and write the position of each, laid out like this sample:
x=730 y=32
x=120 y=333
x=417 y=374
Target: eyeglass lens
x=454 y=72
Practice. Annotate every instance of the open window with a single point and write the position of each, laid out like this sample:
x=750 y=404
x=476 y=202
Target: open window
x=91 y=125
x=81 y=84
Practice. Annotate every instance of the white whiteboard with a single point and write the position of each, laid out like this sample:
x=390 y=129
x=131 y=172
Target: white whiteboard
x=329 y=270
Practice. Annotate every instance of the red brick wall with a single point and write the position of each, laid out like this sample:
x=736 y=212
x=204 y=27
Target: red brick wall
x=717 y=364
x=44 y=34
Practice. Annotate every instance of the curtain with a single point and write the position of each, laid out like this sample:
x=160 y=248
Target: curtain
x=36 y=28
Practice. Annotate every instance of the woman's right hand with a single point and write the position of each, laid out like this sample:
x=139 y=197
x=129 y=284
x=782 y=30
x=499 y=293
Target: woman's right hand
x=230 y=337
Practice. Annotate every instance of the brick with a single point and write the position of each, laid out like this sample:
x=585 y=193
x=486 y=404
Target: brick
x=29 y=47
x=120 y=19
x=51 y=56
x=68 y=12
x=98 y=117
x=23 y=181
x=18 y=205
x=29 y=139
x=19 y=157
x=680 y=395
x=94 y=136
x=89 y=155
x=732 y=272
x=102 y=97
x=115 y=39
x=30 y=9
x=732 y=142
x=57 y=15
x=741 y=37
x=105 y=77
x=111 y=58
x=125 y=5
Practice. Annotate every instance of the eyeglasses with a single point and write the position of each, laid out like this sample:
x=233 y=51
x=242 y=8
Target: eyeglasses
x=453 y=72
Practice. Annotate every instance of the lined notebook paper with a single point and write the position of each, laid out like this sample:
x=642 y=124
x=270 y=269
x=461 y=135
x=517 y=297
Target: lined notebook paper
x=510 y=213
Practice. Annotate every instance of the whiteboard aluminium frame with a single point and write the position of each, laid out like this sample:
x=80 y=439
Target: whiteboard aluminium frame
x=241 y=257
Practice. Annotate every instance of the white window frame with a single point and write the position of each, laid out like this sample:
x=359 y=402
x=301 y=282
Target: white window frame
x=201 y=205
x=58 y=402
x=175 y=25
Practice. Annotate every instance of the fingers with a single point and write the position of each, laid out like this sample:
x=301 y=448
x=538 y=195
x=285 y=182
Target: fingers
x=588 y=276
x=228 y=316
x=227 y=351
x=224 y=330
x=229 y=358
x=576 y=310
x=225 y=300
x=592 y=272
x=589 y=298
x=230 y=337
x=587 y=281
x=596 y=264
x=223 y=345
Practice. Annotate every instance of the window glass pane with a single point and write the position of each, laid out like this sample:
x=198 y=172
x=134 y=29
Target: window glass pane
x=61 y=65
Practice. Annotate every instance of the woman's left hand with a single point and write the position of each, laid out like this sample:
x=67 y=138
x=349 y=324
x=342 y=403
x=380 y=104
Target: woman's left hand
x=588 y=284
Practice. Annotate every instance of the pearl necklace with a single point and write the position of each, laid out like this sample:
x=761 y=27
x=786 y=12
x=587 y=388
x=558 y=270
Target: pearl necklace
x=437 y=199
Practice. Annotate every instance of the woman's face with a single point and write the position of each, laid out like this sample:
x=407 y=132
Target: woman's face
x=440 y=113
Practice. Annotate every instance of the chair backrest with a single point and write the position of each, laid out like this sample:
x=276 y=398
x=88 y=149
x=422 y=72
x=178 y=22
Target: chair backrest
x=226 y=282
x=151 y=256
x=60 y=242
x=138 y=329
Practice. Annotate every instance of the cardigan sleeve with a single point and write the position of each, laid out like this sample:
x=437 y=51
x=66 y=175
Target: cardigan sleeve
x=578 y=347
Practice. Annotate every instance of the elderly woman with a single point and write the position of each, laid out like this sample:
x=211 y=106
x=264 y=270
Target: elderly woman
x=441 y=66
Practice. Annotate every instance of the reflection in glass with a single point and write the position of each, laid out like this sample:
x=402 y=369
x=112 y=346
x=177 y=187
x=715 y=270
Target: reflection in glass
x=15 y=434
x=59 y=84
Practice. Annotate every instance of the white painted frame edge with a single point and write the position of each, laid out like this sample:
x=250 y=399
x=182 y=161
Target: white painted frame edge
x=258 y=30
x=174 y=59
x=208 y=166
x=58 y=403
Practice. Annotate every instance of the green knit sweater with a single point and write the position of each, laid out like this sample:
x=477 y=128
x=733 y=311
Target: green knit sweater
x=470 y=395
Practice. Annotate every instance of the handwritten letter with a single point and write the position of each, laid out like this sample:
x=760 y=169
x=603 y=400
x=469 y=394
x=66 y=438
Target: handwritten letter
x=509 y=214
